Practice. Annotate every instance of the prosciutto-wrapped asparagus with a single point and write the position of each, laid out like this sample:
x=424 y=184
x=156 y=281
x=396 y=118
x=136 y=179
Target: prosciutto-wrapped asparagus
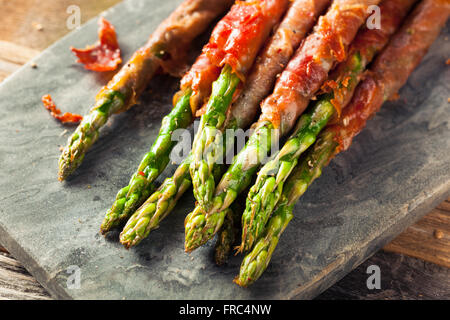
x=230 y=53
x=265 y=193
x=298 y=20
x=387 y=75
x=234 y=44
x=298 y=83
x=165 y=49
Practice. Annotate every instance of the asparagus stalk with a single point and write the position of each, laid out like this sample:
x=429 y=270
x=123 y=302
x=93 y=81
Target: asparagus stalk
x=107 y=102
x=151 y=166
x=309 y=169
x=207 y=149
x=157 y=206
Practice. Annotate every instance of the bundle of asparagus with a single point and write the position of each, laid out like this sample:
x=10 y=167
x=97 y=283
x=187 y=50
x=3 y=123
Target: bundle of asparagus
x=387 y=75
x=232 y=48
x=264 y=195
x=269 y=63
x=298 y=83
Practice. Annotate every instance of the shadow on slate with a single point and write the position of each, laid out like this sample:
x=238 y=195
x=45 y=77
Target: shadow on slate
x=395 y=172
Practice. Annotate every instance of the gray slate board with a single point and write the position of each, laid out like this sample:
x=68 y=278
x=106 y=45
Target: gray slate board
x=395 y=172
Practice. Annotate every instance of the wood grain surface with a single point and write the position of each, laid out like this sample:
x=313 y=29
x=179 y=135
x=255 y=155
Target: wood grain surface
x=428 y=239
x=30 y=26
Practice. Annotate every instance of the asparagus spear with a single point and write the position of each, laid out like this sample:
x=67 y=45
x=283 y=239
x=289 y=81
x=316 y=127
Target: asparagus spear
x=165 y=49
x=204 y=159
x=295 y=87
x=387 y=75
x=195 y=86
x=265 y=193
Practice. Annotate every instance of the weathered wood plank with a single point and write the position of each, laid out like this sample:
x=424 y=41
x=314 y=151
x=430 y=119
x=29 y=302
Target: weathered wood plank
x=428 y=239
x=15 y=53
x=20 y=18
x=17 y=283
x=402 y=278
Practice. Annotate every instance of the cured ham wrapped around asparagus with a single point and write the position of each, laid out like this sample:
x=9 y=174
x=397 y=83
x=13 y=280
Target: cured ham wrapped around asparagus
x=234 y=45
x=298 y=83
x=339 y=88
x=387 y=75
x=229 y=54
x=298 y=20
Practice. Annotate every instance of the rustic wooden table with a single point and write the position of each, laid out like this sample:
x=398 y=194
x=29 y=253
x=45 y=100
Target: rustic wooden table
x=416 y=265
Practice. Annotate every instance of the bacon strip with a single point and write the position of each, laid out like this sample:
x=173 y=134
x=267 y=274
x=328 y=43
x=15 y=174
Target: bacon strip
x=299 y=19
x=392 y=68
x=67 y=117
x=238 y=37
x=105 y=54
x=309 y=68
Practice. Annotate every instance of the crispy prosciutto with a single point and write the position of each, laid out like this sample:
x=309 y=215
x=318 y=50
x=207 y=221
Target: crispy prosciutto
x=67 y=117
x=105 y=54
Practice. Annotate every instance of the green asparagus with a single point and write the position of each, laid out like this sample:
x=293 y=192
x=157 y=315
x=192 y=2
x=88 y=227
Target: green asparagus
x=200 y=226
x=107 y=103
x=264 y=195
x=157 y=206
x=153 y=163
x=309 y=169
x=208 y=146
